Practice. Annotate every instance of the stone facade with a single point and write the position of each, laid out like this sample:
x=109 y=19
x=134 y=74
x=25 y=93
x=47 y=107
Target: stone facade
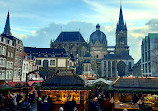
x=99 y=60
x=149 y=55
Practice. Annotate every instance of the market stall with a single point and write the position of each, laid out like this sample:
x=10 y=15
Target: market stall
x=66 y=86
x=135 y=93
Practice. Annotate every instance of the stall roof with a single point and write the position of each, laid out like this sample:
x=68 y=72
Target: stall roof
x=63 y=80
x=135 y=84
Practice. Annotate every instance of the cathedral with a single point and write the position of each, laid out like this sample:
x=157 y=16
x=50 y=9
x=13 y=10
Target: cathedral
x=96 y=57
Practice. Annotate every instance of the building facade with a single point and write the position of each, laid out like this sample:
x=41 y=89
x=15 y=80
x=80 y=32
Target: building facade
x=103 y=60
x=12 y=54
x=7 y=48
x=149 y=55
x=49 y=59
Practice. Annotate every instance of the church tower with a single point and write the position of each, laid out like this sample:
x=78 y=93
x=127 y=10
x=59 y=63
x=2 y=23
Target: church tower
x=121 y=35
x=7 y=26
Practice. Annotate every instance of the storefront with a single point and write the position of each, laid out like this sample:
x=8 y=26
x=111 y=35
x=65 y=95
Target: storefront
x=135 y=93
x=66 y=86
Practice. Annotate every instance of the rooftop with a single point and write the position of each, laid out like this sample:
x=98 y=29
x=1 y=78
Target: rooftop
x=70 y=37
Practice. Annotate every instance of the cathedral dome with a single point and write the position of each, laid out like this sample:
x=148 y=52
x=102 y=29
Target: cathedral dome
x=98 y=35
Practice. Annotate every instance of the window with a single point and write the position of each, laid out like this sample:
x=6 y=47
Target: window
x=11 y=55
x=3 y=74
x=26 y=66
x=20 y=62
x=0 y=74
x=19 y=72
x=16 y=60
x=11 y=65
x=52 y=62
x=4 y=62
x=15 y=72
x=24 y=75
x=0 y=50
x=38 y=62
x=7 y=64
x=7 y=74
x=1 y=62
x=8 y=54
x=10 y=74
x=4 y=50
x=20 y=49
x=17 y=48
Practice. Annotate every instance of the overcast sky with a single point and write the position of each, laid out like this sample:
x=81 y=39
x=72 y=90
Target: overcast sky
x=37 y=21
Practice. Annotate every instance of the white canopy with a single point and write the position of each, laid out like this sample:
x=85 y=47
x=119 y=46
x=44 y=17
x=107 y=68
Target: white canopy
x=100 y=80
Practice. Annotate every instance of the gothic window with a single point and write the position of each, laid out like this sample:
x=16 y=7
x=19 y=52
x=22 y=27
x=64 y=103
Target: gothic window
x=97 y=56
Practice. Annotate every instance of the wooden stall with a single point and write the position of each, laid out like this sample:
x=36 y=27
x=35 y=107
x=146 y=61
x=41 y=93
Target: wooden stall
x=135 y=93
x=65 y=86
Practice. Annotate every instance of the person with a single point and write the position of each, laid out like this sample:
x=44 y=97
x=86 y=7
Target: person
x=125 y=109
x=73 y=103
x=39 y=104
x=67 y=105
x=101 y=102
x=61 y=109
x=45 y=105
x=0 y=101
x=50 y=103
x=75 y=109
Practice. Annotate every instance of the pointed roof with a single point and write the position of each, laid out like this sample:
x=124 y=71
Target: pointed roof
x=121 y=25
x=121 y=21
x=7 y=26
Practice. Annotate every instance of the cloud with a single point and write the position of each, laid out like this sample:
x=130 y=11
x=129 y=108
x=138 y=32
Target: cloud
x=44 y=35
x=20 y=36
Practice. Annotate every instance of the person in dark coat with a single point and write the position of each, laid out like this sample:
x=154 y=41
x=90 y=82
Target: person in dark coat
x=73 y=103
x=67 y=106
x=39 y=104
x=46 y=105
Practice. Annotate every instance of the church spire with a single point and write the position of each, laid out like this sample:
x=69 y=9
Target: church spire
x=7 y=26
x=121 y=25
